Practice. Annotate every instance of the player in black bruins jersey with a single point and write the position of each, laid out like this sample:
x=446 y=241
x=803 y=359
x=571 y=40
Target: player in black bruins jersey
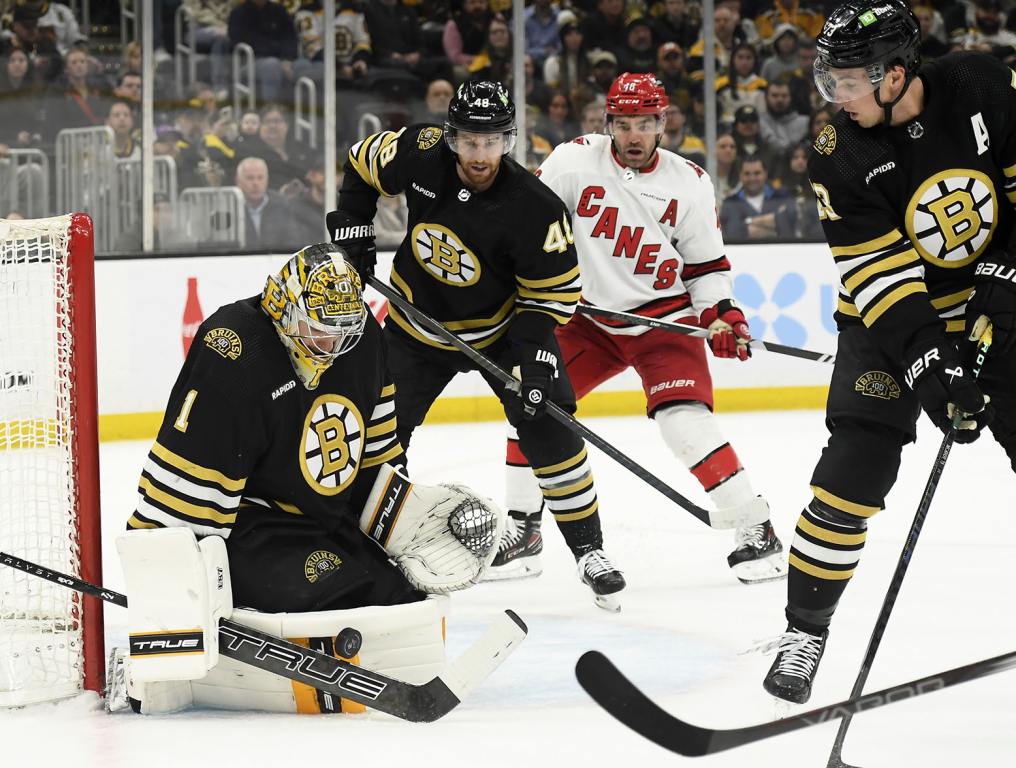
x=489 y=253
x=915 y=180
x=279 y=451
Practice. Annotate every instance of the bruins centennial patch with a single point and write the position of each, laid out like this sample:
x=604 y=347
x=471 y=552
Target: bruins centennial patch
x=224 y=341
x=878 y=384
x=826 y=140
x=428 y=137
x=319 y=563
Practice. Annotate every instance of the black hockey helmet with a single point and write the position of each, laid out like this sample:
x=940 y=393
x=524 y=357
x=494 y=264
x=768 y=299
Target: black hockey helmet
x=873 y=35
x=481 y=106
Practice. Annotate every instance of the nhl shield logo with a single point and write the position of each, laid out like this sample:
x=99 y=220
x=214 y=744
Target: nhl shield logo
x=878 y=384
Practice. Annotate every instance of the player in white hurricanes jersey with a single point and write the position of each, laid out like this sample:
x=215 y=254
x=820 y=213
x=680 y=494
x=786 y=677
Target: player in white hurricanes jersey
x=648 y=242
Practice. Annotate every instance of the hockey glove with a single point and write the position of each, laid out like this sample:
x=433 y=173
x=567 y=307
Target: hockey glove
x=728 y=330
x=537 y=368
x=943 y=384
x=994 y=300
x=356 y=238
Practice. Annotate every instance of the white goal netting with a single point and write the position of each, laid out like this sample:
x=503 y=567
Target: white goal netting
x=41 y=645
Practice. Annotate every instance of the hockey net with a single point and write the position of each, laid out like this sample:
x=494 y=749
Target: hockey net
x=51 y=638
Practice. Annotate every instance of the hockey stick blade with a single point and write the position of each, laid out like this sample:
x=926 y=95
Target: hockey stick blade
x=609 y=688
x=702 y=333
x=416 y=703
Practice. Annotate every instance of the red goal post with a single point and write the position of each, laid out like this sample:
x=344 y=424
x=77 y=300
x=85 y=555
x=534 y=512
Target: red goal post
x=51 y=638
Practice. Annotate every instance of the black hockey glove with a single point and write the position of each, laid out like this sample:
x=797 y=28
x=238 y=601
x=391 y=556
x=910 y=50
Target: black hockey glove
x=994 y=297
x=943 y=385
x=537 y=370
x=356 y=238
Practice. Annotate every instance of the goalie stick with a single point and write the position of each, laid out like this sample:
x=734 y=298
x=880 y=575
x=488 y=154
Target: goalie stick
x=694 y=330
x=553 y=410
x=609 y=688
x=416 y=703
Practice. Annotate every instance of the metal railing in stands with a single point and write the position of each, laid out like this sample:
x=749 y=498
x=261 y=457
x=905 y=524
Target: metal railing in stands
x=213 y=215
x=126 y=217
x=243 y=64
x=369 y=123
x=128 y=13
x=305 y=117
x=185 y=57
x=24 y=183
x=85 y=178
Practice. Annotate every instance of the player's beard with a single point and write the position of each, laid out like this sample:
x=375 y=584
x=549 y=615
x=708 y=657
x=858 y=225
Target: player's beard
x=477 y=178
x=639 y=159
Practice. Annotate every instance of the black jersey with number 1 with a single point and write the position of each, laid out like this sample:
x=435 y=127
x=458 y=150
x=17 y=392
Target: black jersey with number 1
x=908 y=210
x=472 y=260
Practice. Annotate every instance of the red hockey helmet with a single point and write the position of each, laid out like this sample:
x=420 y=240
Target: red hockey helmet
x=637 y=93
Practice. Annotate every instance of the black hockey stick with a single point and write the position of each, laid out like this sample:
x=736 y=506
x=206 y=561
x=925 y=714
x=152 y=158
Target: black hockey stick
x=416 y=703
x=836 y=754
x=694 y=330
x=621 y=698
x=554 y=411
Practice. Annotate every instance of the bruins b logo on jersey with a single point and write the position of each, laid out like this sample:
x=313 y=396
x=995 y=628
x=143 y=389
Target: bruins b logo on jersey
x=443 y=255
x=333 y=438
x=951 y=217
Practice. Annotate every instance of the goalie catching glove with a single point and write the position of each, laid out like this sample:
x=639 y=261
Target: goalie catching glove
x=443 y=537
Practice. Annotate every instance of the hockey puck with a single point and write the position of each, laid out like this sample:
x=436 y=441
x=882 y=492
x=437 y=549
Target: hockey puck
x=348 y=642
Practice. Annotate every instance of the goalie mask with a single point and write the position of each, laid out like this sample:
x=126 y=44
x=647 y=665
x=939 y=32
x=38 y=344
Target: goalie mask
x=316 y=302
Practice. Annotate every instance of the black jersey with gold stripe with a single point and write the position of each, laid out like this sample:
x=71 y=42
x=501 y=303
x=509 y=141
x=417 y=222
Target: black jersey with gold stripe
x=242 y=434
x=908 y=210
x=471 y=260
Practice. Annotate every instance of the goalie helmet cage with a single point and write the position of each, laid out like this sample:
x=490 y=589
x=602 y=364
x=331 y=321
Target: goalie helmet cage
x=51 y=638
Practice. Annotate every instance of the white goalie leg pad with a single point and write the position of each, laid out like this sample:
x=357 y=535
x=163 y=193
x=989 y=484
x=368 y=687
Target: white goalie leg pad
x=443 y=537
x=178 y=590
x=405 y=642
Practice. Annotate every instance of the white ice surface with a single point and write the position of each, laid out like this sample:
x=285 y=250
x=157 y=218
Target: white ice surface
x=684 y=622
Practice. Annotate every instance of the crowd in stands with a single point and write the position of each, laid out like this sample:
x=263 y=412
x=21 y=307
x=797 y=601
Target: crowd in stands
x=399 y=61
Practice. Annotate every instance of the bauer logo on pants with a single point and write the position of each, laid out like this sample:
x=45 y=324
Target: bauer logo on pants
x=878 y=384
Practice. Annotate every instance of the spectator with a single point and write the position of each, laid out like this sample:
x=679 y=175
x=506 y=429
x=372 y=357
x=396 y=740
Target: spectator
x=19 y=102
x=819 y=119
x=677 y=139
x=78 y=104
x=745 y=30
x=130 y=58
x=58 y=23
x=676 y=25
x=268 y=28
x=121 y=120
x=603 y=66
x=558 y=125
x=286 y=160
x=128 y=89
x=211 y=19
x=741 y=85
x=267 y=219
x=219 y=149
x=434 y=108
x=353 y=52
x=167 y=236
x=988 y=33
x=250 y=124
x=604 y=28
x=784 y=58
x=795 y=182
x=932 y=46
x=41 y=49
x=541 y=28
x=724 y=40
x=568 y=68
x=494 y=62
x=465 y=34
x=757 y=211
x=728 y=168
x=804 y=96
x=807 y=19
x=638 y=54
x=670 y=70
x=592 y=117
x=781 y=125
x=306 y=200
x=395 y=39
x=748 y=137
x=536 y=91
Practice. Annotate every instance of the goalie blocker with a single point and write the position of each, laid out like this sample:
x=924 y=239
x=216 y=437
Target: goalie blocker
x=441 y=537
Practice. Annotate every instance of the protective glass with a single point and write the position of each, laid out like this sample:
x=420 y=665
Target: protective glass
x=842 y=85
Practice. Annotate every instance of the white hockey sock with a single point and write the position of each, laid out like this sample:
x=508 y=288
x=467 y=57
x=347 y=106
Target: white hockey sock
x=692 y=433
x=522 y=491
